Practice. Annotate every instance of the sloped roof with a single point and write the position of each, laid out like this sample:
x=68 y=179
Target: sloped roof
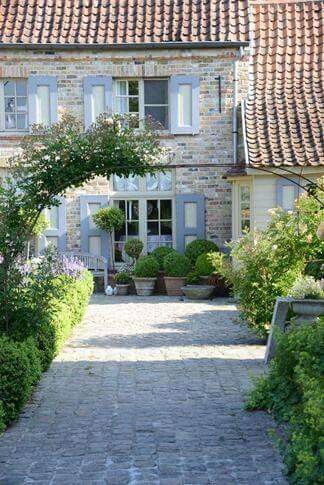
x=284 y=111
x=122 y=21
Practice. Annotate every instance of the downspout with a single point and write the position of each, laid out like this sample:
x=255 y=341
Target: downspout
x=234 y=116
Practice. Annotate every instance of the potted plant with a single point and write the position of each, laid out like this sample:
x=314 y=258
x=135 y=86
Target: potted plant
x=145 y=273
x=133 y=249
x=122 y=280
x=204 y=267
x=194 y=290
x=198 y=247
x=176 y=267
x=308 y=299
x=109 y=219
x=160 y=253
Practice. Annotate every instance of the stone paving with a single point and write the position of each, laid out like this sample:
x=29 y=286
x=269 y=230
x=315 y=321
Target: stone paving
x=147 y=391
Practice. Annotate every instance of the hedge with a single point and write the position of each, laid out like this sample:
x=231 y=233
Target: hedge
x=21 y=362
x=293 y=391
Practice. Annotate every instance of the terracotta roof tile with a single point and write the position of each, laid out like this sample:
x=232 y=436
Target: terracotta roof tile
x=284 y=110
x=122 y=21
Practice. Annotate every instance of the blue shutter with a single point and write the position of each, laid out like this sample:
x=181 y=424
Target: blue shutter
x=186 y=232
x=33 y=83
x=281 y=183
x=59 y=232
x=86 y=230
x=88 y=83
x=175 y=83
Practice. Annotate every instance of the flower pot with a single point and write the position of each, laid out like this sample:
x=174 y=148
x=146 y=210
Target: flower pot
x=198 y=292
x=174 y=284
x=144 y=286
x=122 y=289
x=204 y=280
x=307 y=310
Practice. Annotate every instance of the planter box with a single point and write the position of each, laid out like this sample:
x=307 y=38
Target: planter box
x=174 y=285
x=144 y=286
x=198 y=292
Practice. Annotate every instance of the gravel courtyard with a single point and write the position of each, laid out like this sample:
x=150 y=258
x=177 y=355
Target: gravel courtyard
x=147 y=391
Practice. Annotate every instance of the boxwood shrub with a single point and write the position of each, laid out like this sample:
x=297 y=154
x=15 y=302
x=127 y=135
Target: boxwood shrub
x=24 y=357
x=198 y=247
x=146 y=267
x=293 y=391
x=160 y=253
x=176 y=265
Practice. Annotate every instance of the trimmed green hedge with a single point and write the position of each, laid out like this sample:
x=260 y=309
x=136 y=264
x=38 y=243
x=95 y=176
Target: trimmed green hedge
x=21 y=362
x=293 y=391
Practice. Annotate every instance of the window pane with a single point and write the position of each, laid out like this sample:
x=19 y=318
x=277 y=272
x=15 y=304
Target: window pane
x=190 y=213
x=122 y=105
x=9 y=88
x=52 y=241
x=21 y=88
x=132 y=228
x=10 y=105
x=152 y=209
x=166 y=209
x=22 y=122
x=158 y=114
x=152 y=229
x=185 y=105
x=119 y=253
x=119 y=183
x=133 y=88
x=133 y=105
x=93 y=207
x=121 y=88
x=166 y=228
x=132 y=183
x=166 y=181
x=121 y=204
x=245 y=194
x=120 y=235
x=97 y=101
x=288 y=197
x=10 y=121
x=152 y=182
x=22 y=105
x=53 y=217
x=95 y=245
x=43 y=105
x=156 y=91
x=132 y=210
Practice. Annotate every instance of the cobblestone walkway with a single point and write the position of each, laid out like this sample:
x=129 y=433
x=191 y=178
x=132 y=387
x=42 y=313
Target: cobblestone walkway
x=148 y=390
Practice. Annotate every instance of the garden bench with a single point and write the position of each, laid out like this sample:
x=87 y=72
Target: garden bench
x=98 y=265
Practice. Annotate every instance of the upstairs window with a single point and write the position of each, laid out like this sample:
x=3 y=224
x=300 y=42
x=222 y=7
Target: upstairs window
x=143 y=98
x=13 y=105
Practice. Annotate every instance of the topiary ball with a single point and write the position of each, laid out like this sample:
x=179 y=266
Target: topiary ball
x=198 y=247
x=146 y=267
x=133 y=248
x=204 y=265
x=160 y=253
x=176 y=265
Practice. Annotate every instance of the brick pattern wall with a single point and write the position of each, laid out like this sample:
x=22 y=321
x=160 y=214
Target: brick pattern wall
x=213 y=144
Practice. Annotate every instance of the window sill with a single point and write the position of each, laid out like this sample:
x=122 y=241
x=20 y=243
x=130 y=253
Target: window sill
x=13 y=136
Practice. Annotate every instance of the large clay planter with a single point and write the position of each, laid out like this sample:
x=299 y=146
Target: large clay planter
x=174 y=284
x=307 y=310
x=198 y=292
x=160 y=284
x=122 y=290
x=144 y=286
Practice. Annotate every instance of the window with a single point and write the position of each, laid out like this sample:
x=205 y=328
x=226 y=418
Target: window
x=143 y=99
x=159 y=182
x=159 y=223
x=13 y=102
x=245 y=206
x=130 y=229
x=126 y=184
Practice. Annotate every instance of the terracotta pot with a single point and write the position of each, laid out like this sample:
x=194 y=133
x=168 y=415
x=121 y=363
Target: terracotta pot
x=160 y=284
x=122 y=289
x=198 y=292
x=174 y=284
x=144 y=286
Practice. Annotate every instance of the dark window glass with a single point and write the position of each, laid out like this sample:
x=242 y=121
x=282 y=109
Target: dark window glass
x=158 y=114
x=156 y=91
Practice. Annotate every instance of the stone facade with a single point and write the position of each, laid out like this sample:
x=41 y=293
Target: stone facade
x=199 y=160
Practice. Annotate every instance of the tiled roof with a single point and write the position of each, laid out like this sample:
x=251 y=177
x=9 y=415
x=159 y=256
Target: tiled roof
x=122 y=21
x=284 y=125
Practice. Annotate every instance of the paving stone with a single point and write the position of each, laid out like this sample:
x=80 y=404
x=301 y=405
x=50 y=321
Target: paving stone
x=147 y=391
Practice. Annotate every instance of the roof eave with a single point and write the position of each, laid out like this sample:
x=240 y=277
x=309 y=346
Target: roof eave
x=127 y=46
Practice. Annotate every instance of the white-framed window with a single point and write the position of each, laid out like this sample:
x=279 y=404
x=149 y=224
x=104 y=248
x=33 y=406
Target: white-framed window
x=244 y=208
x=143 y=98
x=13 y=105
x=149 y=211
x=159 y=216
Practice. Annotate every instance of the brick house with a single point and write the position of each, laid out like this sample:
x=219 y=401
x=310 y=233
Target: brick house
x=183 y=62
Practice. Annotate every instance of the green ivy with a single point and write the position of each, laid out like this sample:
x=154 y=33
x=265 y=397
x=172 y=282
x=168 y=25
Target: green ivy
x=293 y=391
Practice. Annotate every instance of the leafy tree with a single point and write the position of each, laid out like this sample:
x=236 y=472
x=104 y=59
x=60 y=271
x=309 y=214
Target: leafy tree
x=109 y=219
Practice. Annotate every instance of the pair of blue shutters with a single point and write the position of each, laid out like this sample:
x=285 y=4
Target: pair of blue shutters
x=187 y=228
x=178 y=85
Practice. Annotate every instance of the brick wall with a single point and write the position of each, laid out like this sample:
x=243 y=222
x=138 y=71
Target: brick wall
x=213 y=145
